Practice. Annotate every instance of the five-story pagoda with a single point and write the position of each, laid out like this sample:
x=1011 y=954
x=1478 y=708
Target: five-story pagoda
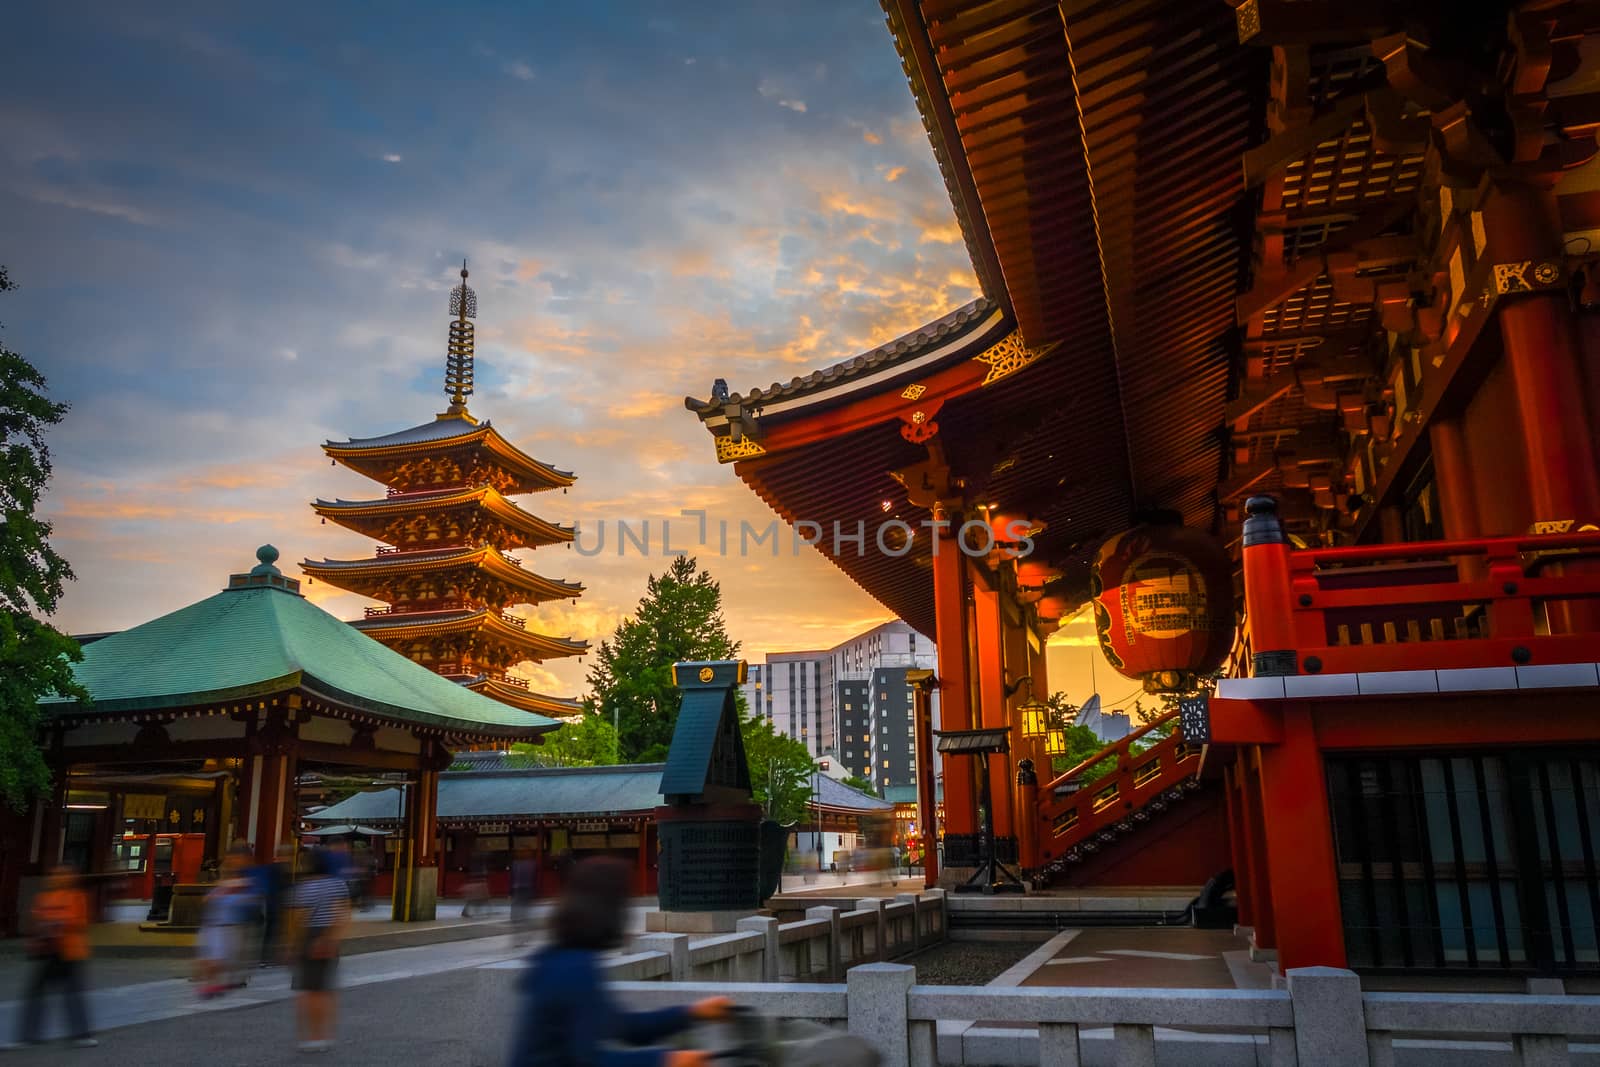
x=445 y=570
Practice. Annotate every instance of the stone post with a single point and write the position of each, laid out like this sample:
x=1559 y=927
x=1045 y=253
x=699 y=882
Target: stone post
x=916 y=919
x=676 y=946
x=835 y=948
x=880 y=944
x=1329 y=1023
x=876 y=1003
x=767 y=927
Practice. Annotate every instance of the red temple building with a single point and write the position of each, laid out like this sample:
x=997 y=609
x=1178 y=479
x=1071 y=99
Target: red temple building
x=1315 y=285
x=448 y=527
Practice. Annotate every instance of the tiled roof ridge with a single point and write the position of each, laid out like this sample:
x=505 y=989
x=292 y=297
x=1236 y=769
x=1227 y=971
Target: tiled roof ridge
x=536 y=771
x=906 y=345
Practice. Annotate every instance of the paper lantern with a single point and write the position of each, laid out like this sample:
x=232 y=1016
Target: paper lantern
x=1163 y=605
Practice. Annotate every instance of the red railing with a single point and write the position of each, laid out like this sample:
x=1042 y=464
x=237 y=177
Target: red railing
x=465 y=670
x=1493 y=602
x=401 y=550
x=439 y=607
x=1101 y=802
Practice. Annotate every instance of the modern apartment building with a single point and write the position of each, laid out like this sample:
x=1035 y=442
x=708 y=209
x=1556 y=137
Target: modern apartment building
x=851 y=700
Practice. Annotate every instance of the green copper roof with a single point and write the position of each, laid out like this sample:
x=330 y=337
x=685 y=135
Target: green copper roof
x=255 y=639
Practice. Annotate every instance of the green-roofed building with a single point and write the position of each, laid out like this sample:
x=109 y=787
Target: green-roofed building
x=201 y=721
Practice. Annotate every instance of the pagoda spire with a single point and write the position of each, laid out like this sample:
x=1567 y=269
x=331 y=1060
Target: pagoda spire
x=458 y=358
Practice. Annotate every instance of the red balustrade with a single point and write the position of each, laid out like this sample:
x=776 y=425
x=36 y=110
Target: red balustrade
x=1100 y=804
x=1433 y=605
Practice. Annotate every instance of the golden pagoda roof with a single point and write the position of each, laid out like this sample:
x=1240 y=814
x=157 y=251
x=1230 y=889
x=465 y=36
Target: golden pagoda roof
x=502 y=627
x=524 y=699
x=536 y=531
x=452 y=429
x=344 y=572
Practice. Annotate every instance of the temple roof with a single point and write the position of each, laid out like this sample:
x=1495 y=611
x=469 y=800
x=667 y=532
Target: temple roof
x=535 y=792
x=539 y=531
x=548 y=792
x=912 y=352
x=507 y=628
x=446 y=431
x=253 y=640
x=539 y=588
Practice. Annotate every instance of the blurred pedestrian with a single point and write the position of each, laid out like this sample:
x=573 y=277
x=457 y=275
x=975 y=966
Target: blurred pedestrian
x=224 y=919
x=272 y=886
x=524 y=891
x=58 y=944
x=567 y=1016
x=476 y=891
x=322 y=904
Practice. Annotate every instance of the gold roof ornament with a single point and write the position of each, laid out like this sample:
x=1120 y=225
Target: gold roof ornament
x=458 y=358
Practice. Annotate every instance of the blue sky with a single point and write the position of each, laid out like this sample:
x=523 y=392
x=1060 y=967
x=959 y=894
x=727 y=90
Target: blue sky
x=234 y=229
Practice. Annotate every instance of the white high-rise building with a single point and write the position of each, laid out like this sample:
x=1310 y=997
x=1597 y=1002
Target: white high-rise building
x=802 y=695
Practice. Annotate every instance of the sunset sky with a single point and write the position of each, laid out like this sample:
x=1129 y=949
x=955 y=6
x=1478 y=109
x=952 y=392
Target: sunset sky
x=234 y=233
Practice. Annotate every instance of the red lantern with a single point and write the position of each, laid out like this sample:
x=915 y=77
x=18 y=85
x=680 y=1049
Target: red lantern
x=1163 y=605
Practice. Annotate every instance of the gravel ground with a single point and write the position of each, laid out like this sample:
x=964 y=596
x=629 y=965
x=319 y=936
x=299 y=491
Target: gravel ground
x=968 y=962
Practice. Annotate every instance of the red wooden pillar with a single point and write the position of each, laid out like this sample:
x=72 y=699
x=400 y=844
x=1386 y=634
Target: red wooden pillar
x=955 y=693
x=1452 y=474
x=1542 y=352
x=922 y=686
x=1250 y=804
x=416 y=888
x=271 y=784
x=1300 y=862
x=641 y=877
x=1239 y=855
x=989 y=620
x=1020 y=663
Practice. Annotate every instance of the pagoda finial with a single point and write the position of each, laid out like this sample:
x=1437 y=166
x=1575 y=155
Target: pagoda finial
x=458 y=358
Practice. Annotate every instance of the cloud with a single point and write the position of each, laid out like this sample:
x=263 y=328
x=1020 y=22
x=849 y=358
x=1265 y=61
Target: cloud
x=391 y=157
x=622 y=256
x=519 y=70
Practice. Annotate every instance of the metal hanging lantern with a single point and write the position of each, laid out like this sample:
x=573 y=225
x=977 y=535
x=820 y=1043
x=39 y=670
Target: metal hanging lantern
x=1035 y=714
x=1055 y=743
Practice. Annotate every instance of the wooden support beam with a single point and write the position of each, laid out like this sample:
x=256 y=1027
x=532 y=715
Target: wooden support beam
x=1273 y=289
x=1306 y=22
x=1254 y=399
x=1244 y=478
x=1295 y=144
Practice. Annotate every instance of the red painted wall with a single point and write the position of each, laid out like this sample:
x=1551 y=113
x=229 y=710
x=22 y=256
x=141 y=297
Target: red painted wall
x=1182 y=846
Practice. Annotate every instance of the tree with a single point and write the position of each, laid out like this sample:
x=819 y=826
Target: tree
x=861 y=785
x=588 y=742
x=1082 y=742
x=679 y=618
x=781 y=770
x=35 y=658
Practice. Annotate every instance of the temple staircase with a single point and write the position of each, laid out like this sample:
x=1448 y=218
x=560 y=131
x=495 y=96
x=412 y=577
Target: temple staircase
x=1120 y=792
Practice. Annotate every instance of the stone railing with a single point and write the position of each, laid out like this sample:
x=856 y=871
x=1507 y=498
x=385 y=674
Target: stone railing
x=819 y=948
x=1321 y=1018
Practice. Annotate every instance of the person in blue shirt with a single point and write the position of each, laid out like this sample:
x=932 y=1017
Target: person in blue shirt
x=567 y=1016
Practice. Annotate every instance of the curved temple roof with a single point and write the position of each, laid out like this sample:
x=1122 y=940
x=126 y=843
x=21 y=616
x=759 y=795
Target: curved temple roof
x=538 y=531
x=257 y=639
x=341 y=572
x=448 y=431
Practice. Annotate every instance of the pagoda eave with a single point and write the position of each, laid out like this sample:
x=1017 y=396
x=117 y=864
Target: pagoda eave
x=527 y=699
x=368 y=577
x=372 y=517
x=490 y=624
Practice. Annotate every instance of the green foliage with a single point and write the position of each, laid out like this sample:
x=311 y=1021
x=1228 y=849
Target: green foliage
x=588 y=742
x=679 y=618
x=781 y=770
x=35 y=658
x=862 y=785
